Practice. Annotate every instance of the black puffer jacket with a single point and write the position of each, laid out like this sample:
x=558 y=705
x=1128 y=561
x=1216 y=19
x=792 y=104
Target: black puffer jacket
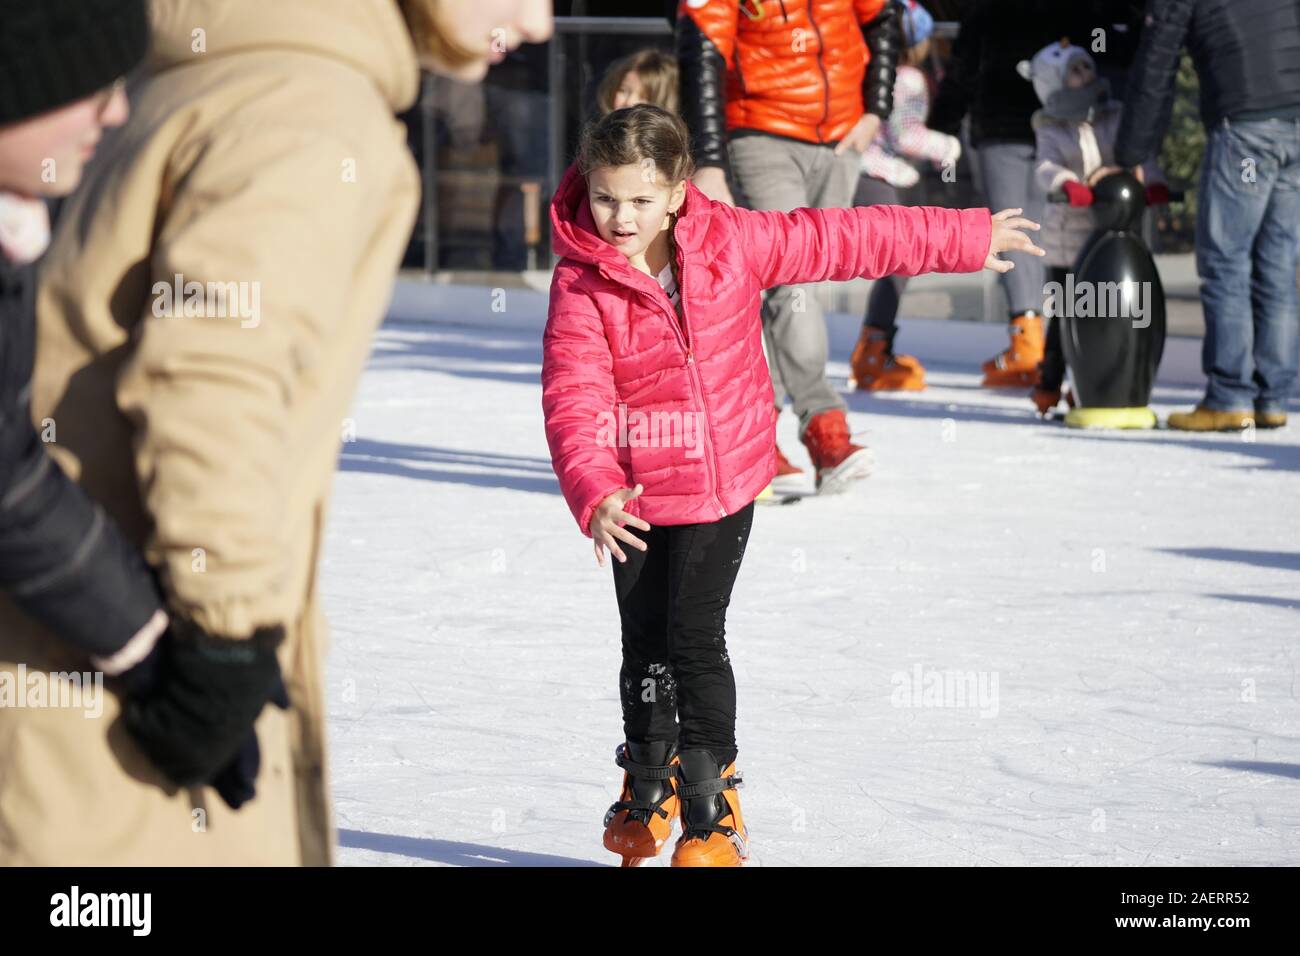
x=995 y=36
x=61 y=558
x=1247 y=55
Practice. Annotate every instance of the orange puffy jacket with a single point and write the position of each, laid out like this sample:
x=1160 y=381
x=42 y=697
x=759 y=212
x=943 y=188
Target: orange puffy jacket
x=796 y=68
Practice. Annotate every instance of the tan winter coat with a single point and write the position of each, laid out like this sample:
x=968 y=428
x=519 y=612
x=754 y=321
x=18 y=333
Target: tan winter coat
x=262 y=154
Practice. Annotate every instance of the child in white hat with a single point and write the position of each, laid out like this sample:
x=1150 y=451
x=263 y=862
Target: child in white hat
x=1075 y=133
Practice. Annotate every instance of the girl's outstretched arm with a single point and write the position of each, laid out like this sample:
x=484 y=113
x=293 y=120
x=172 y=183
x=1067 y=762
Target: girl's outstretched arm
x=816 y=245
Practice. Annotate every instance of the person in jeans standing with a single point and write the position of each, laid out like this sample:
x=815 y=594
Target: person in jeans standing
x=1248 y=216
x=787 y=96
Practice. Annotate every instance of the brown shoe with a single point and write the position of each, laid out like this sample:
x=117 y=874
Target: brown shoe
x=1270 y=419
x=1202 y=419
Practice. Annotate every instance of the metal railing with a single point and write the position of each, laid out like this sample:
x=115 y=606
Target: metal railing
x=557 y=65
x=574 y=57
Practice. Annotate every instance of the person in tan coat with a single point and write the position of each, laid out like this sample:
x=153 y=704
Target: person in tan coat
x=203 y=319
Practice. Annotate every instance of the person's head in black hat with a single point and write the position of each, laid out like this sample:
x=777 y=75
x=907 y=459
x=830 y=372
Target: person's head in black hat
x=61 y=62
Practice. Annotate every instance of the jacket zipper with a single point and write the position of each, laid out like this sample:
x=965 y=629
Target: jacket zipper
x=697 y=386
x=826 y=80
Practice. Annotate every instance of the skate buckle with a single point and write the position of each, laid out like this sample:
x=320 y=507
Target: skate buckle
x=640 y=770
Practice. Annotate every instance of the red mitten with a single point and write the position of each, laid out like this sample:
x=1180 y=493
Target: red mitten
x=1158 y=194
x=1077 y=193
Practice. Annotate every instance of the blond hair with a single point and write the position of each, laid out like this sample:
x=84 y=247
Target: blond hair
x=657 y=71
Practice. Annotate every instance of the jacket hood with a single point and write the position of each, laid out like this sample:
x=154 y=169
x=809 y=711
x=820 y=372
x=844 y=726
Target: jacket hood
x=1048 y=71
x=369 y=35
x=574 y=234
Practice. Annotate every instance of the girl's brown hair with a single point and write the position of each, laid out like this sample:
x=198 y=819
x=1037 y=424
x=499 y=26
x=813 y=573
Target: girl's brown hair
x=635 y=135
x=657 y=71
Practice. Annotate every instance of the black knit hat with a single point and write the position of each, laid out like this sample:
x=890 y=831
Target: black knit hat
x=55 y=52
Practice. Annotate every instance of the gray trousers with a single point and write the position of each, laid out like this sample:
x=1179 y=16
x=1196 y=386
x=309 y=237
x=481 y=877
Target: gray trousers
x=1007 y=170
x=773 y=173
x=1008 y=177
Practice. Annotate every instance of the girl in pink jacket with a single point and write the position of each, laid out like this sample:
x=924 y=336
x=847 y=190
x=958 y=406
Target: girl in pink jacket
x=660 y=417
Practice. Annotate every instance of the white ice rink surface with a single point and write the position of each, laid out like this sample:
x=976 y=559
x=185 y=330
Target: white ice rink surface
x=1122 y=608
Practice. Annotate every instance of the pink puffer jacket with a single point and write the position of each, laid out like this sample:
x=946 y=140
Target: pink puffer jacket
x=630 y=395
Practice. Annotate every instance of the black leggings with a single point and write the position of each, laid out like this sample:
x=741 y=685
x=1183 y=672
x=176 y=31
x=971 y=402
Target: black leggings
x=672 y=599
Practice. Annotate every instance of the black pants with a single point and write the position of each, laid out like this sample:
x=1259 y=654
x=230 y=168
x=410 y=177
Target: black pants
x=1053 y=351
x=672 y=599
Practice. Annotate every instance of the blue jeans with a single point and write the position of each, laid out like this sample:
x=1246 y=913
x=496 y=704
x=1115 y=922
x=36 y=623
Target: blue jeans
x=1247 y=251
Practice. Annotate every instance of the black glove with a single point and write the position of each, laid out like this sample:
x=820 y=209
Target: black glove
x=192 y=715
x=236 y=783
x=140 y=680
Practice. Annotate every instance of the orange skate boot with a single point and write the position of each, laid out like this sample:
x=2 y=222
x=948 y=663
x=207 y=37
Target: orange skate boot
x=713 y=831
x=638 y=825
x=1018 y=364
x=877 y=369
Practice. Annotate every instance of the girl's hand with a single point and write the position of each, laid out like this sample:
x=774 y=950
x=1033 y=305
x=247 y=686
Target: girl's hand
x=605 y=522
x=1007 y=237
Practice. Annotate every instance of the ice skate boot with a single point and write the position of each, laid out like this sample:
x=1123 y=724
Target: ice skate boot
x=1017 y=364
x=877 y=369
x=639 y=823
x=713 y=832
